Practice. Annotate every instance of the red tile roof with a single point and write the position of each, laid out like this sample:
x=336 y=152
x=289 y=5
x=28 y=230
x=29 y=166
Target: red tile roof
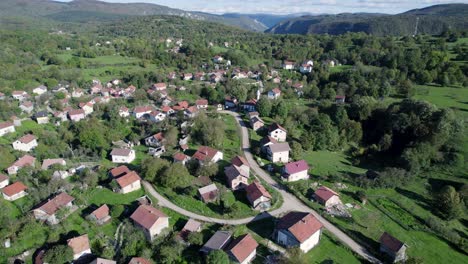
x=27 y=138
x=79 y=244
x=138 y=260
x=76 y=112
x=128 y=179
x=14 y=188
x=143 y=109
x=119 y=171
x=179 y=156
x=205 y=153
x=101 y=212
x=276 y=91
x=192 y=225
x=146 y=216
x=49 y=162
x=54 y=204
x=239 y=161
x=201 y=102
x=296 y=166
x=5 y=125
x=255 y=190
x=325 y=193
x=242 y=247
x=390 y=242
x=183 y=104
x=3 y=177
x=26 y=160
x=300 y=224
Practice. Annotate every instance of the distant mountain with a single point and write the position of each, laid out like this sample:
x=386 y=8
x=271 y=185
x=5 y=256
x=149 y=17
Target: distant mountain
x=81 y=11
x=429 y=20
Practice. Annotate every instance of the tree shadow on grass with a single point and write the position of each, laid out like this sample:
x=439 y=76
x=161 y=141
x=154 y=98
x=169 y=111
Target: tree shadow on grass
x=437 y=184
x=372 y=245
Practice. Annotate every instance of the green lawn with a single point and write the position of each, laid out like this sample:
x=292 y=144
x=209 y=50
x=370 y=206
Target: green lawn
x=324 y=163
x=231 y=143
x=331 y=251
x=454 y=98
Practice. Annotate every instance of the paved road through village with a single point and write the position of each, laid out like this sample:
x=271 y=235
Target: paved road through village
x=290 y=202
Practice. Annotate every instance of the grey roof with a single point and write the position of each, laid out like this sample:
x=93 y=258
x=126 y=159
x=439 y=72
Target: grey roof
x=41 y=114
x=279 y=147
x=121 y=152
x=208 y=188
x=218 y=241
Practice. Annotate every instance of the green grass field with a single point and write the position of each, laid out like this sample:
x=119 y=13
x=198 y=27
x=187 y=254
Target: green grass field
x=454 y=98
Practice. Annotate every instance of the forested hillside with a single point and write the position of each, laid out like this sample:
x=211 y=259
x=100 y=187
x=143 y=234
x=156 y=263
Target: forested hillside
x=432 y=20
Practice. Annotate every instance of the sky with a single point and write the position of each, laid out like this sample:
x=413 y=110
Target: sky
x=293 y=6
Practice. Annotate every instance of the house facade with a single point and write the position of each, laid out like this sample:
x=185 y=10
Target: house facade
x=206 y=155
x=243 y=249
x=326 y=196
x=294 y=171
x=392 y=247
x=6 y=127
x=47 y=211
x=258 y=196
x=277 y=132
x=150 y=220
x=25 y=143
x=129 y=182
x=123 y=155
x=24 y=161
x=14 y=191
x=298 y=229
x=278 y=152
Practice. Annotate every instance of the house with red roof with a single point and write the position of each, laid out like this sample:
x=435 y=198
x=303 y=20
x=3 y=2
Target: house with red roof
x=4 y=180
x=119 y=171
x=124 y=112
x=192 y=226
x=238 y=173
x=306 y=66
x=155 y=140
x=287 y=65
x=181 y=157
x=242 y=249
x=47 y=163
x=79 y=246
x=22 y=162
x=128 y=183
x=159 y=86
x=326 y=196
x=209 y=193
x=277 y=132
x=298 y=229
x=6 y=127
x=274 y=94
x=25 y=143
x=187 y=76
x=258 y=196
x=256 y=123
x=76 y=115
x=340 y=99
x=14 y=191
x=26 y=106
x=101 y=215
x=120 y=155
x=19 y=95
x=201 y=103
x=103 y=261
x=47 y=210
x=294 y=171
x=206 y=155
x=140 y=111
x=392 y=247
x=150 y=220
x=139 y=260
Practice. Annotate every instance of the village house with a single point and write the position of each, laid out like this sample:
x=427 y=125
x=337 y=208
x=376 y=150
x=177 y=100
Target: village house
x=139 y=260
x=393 y=247
x=243 y=249
x=76 y=115
x=306 y=66
x=159 y=86
x=79 y=246
x=340 y=99
x=265 y=142
x=6 y=127
x=16 y=122
x=4 y=181
x=191 y=112
x=14 y=191
x=218 y=59
x=47 y=211
x=42 y=117
x=274 y=94
x=155 y=140
x=167 y=110
x=124 y=112
x=122 y=155
x=277 y=132
x=287 y=65
x=26 y=107
x=150 y=220
x=25 y=143
x=19 y=95
x=278 y=152
x=129 y=182
x=258 y=196
x=140 y=111
x=218 y=241
x=206 y=155
x=101 y=215
x=256 y=123
x=24 y=161
x=40 y=90
x=2 y=96
x=298 y=229
x=87 y=108
x=230 y=102
x=77 y=93
x=156 y=116
x=103 y=261
x=250 y=105
x=61 y=116
x=181 y=157
x=237 y=173
x=191 y=226
x=208 y=193
x=326 y=196
x=201 y=103
x=118 y=171
x=294 y=171
x=187 y=76
x=48 y=163
x=199 y=76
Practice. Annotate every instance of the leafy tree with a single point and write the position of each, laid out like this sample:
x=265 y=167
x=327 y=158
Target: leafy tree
x=176 y=176
x=296 y=150
x=264 y=106
x=449 y=203
x=58 y=254
x=195 y=238
x=207 y=170
x=307 y=140
x=295 y=256
x=217 y=257
x=151 y=168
